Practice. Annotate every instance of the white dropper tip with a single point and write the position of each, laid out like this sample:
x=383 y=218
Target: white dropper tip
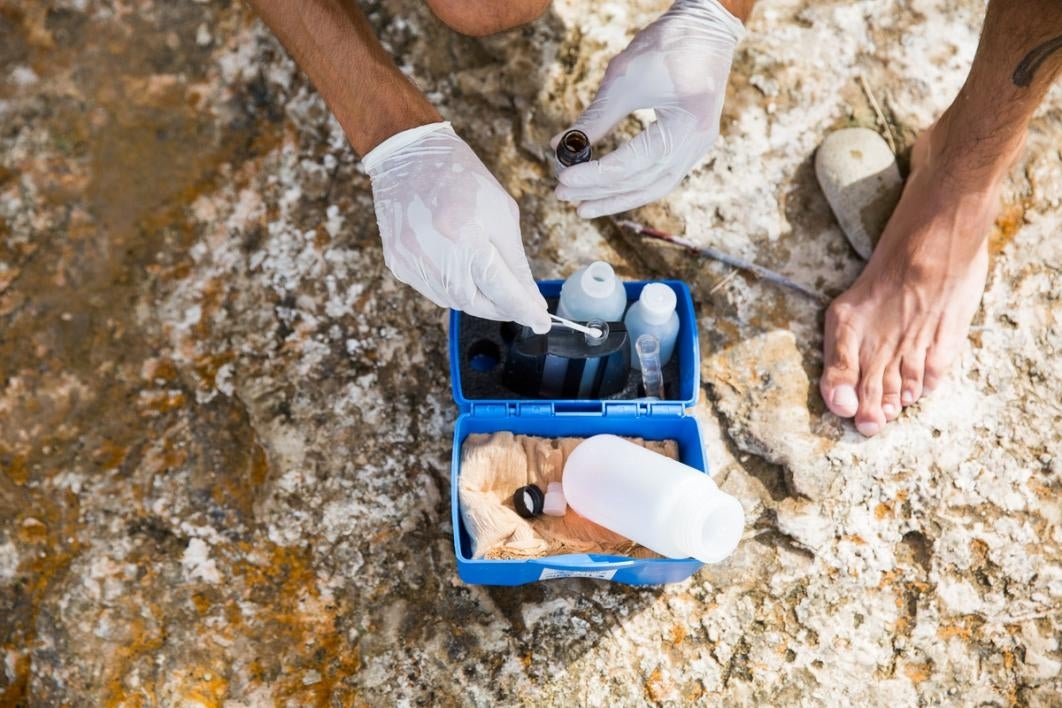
x=658 y=302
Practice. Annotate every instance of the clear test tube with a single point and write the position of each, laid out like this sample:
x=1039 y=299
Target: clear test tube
x=648 y=348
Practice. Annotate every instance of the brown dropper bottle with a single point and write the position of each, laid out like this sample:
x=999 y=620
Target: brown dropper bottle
x=573 y=148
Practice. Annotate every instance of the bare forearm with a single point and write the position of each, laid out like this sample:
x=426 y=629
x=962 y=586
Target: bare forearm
x=738 y=8
x=334 y=44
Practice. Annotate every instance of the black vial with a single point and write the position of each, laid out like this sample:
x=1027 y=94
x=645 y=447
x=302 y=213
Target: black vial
x=528 y=501
x=573 y=148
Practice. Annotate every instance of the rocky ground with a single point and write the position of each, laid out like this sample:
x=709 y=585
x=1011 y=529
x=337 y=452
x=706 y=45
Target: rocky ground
x=225 y=429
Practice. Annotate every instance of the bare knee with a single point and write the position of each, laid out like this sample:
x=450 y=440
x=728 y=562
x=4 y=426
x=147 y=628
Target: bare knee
x=478 y=19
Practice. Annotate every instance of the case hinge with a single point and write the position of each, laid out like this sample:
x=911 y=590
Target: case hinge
x=673 y=410
x=622 y=410
x=534 y=409
x=490 y=410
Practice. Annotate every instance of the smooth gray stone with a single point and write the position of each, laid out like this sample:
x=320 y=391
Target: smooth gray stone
x=858 y=174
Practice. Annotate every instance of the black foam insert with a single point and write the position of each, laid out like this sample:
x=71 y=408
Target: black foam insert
x=480 y=341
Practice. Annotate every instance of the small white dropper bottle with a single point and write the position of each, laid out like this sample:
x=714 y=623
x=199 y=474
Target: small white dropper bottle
x=654 y=314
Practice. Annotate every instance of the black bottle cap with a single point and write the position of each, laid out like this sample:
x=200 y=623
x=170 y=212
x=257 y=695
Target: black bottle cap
x=573 y=148
x=528 y=501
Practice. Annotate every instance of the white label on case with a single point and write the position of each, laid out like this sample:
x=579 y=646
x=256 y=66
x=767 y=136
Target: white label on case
x=551 y=573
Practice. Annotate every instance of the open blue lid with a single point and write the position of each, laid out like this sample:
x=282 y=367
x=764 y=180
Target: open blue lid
x=477 y=351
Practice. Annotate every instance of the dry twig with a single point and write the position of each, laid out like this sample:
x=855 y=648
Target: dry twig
x=723 y=282
x=877 y=110
x=716 y=254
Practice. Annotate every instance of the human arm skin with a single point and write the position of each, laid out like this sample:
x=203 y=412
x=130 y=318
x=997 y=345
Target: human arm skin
x=739 y=8
x=448 y=228
x=333 y=43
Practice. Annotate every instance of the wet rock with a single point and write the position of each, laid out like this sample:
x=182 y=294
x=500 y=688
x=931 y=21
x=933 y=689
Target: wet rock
x=858 y=174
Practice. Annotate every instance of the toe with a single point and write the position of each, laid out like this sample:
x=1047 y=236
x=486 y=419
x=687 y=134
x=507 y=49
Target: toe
x=938 y=361
x=944 y=350
x=841 y=357
x=912 y=370
x=891 y=384
x=869 y=418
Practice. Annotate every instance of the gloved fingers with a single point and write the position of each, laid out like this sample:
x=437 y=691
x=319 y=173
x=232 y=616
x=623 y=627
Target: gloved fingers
x=513 y=299
x=575 y=195
x=484 y=309
x=511 y=248
x=627 y=167
x=630 y=200
x=521 y=270
x=607 y=109
x=463 y=295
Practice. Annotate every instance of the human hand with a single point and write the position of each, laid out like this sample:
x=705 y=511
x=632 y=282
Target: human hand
x=449 y=229
x=677 y=66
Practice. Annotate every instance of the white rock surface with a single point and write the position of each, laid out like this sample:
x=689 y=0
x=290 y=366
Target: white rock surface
x=265 y=498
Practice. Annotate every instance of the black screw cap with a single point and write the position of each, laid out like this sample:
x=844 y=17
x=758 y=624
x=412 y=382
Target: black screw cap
x=528 y=501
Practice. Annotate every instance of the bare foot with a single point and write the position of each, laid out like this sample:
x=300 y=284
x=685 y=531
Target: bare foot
x=893 y=335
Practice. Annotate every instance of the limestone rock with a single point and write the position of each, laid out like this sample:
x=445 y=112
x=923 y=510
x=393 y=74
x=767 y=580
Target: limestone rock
x=761 y=389
x=801 y=521
x=858 y=174
x=226 y=429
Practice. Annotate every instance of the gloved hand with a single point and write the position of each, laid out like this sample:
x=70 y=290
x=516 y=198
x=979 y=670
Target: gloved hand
x=449 y=229
x=677 y=66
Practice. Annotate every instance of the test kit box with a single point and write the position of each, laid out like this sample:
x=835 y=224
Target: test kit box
x=477 y=352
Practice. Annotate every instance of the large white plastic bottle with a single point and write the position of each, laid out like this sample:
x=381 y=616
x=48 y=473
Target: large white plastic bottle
x=654 y=314
x=593 y=293
x=664 y=505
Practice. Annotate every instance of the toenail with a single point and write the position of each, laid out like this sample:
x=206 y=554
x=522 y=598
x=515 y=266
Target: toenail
x=889 y=409
x=869 y=428
x=907 y=398
x=845 y=397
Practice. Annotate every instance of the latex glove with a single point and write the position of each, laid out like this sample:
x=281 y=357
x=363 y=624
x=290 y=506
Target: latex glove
x=677 y=66
x=449 y=229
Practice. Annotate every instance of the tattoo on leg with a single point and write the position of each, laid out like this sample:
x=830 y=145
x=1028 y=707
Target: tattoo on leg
x=1023 y=74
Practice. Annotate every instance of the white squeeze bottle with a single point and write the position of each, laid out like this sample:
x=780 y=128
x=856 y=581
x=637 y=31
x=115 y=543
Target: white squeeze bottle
x=593 y=293
x=664 y=505
x=654 y=314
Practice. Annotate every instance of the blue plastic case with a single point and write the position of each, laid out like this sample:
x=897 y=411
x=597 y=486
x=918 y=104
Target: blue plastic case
x=656 y=420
